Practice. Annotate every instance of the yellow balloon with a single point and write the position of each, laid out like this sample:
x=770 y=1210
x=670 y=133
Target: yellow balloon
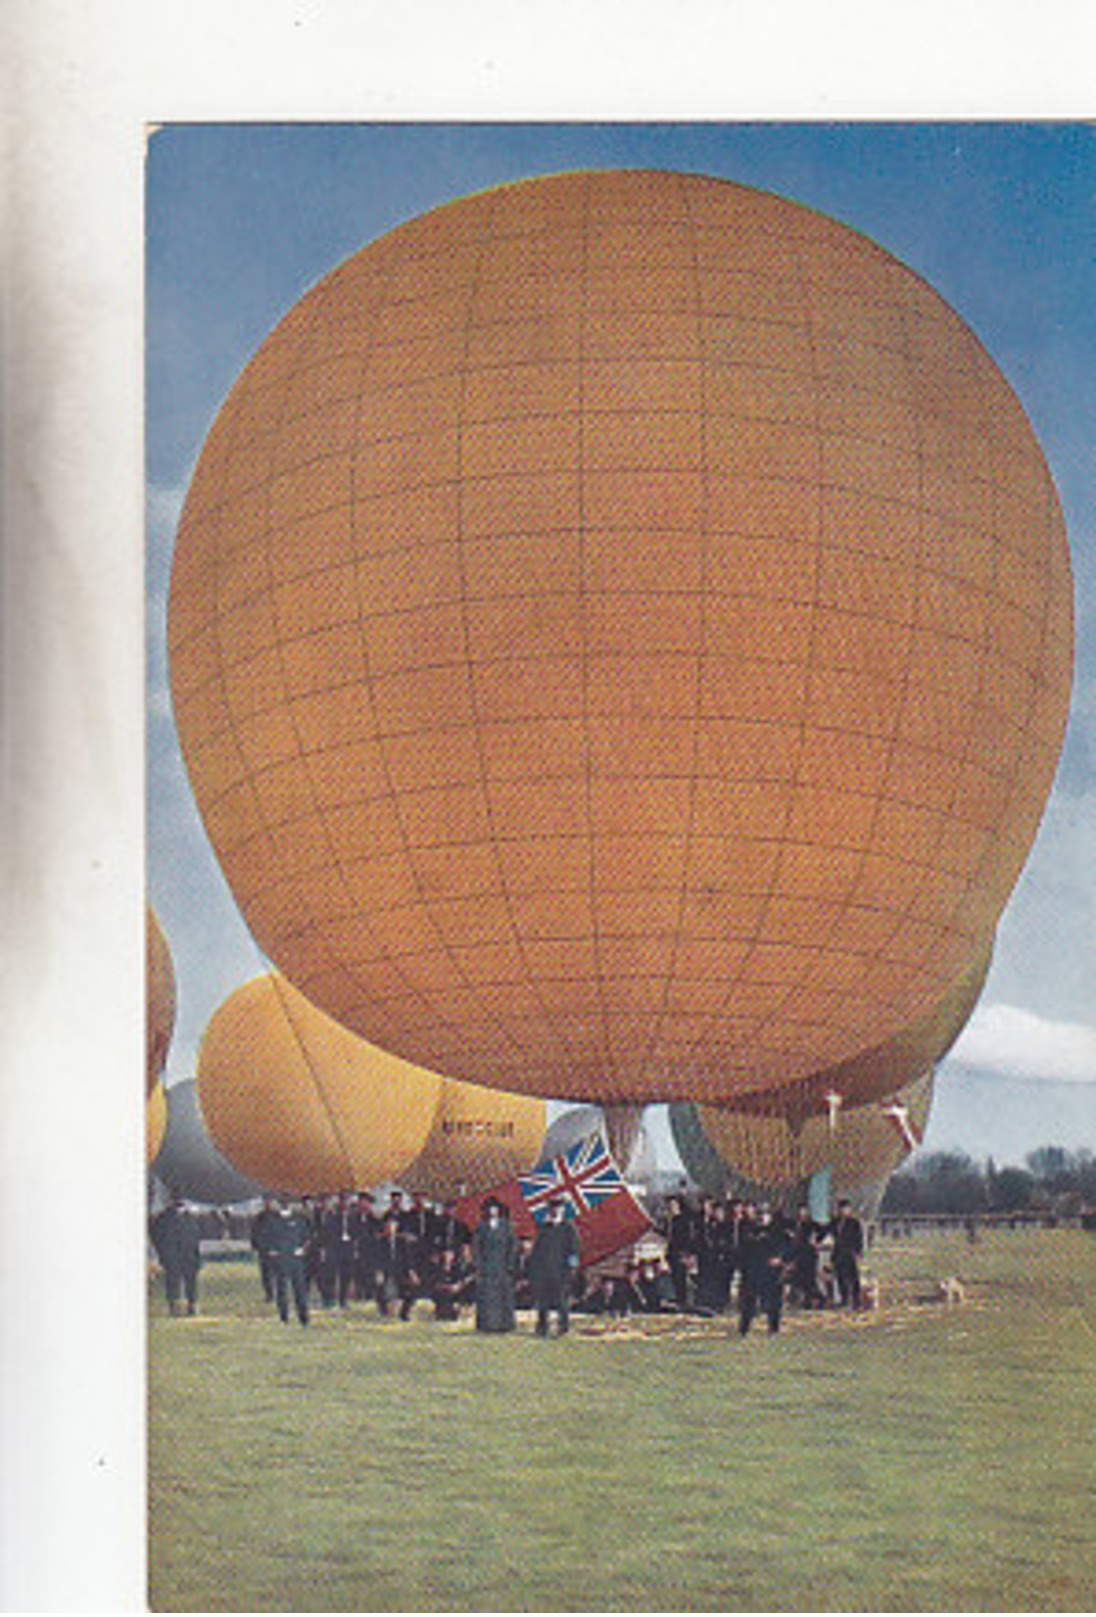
x=160 y=999
x=297 y=1103
x=480 y=1137
x=155 y=1122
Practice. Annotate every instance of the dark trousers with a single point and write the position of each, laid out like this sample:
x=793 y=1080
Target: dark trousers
x=760 y=1296
x=846 y=1271
x=337 y=1272
x=390 y=1289
x=266 y=1275
x=805 y=1281
x=679 y=1274
x=181 y=1280
x=289 y=1277
x=558 y=1303
x=713 y=1286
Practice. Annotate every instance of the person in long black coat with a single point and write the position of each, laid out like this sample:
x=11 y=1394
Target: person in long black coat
x=495 y=1256
x=553 y=1265
x=176 y=1238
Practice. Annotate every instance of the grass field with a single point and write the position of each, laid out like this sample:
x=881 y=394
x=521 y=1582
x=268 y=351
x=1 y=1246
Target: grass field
x=918 y=1458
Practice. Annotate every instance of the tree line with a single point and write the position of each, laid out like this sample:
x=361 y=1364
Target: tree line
x=1052 y=1179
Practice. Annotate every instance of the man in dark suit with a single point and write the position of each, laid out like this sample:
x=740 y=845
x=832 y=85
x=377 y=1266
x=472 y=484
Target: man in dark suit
x=714 y=1260
x=312 y=1209
x=680 y=1248
x=268 y=1211
x=848 y=1248
x=337 y=1252
x=285 y=1237
x=448 y=1282
x=364 y=1230
x=175 y=1237
x=396 y=1277
x=764 y=1256
x=553 y=1265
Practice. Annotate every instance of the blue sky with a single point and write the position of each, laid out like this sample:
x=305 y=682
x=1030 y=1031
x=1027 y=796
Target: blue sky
x=999 y=218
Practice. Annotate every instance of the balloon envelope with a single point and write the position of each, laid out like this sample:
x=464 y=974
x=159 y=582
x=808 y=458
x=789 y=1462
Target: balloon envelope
x=296 y=1102
x=579 y=1122
x=155 y=1122
x=859 y=1121
x=188 y=1162
x=479 y=1138
x=758 y=1155
x=620 y=640
x=160 y=999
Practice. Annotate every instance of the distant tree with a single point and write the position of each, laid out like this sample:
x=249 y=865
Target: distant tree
x=1011 y=1190
x=1086 y=1176
x=954 y=1183
x=1063 y=1173
x=1048 y=1163
x=950 y=1182
x=902 y=1194
x=942 y=1182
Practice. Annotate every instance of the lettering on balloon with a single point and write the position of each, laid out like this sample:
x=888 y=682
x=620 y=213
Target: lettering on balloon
x=468 y=1127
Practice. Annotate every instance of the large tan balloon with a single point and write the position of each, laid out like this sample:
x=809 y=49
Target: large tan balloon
x=160 y=999
x=859 y=1119
x=620 y=638
x=155 y=1122
x=297 y=1103
x=480 y=1138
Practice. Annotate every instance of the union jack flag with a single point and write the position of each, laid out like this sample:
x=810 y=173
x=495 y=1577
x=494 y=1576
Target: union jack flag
x=594 y=1195
x=583 y=1177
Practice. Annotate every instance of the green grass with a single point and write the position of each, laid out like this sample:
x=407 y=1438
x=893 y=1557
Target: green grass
x=920 y=1458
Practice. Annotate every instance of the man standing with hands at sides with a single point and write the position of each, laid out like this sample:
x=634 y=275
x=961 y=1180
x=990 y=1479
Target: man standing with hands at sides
x=848 y=1248
x=259 y=1224
x=285 y=1237
x=175 y=1236
x=680 y=1248
x=552 y=1268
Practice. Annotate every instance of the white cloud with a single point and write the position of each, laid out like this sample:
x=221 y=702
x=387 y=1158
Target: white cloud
x=164 y=505
x=1012 y=1043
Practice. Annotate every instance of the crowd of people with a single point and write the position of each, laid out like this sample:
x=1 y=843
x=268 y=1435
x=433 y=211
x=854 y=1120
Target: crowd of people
x=720 y=1256
x=735 y=1251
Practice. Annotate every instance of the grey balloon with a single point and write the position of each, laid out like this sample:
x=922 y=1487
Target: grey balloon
x=188 y=1162
x=580 y=1121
